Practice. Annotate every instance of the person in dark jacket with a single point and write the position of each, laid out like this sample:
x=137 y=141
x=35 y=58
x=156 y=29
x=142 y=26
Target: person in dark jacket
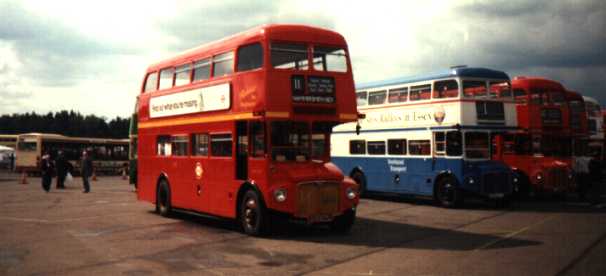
x=595 y=176
x=61 y=165
x=46 y=167
x=86 y=166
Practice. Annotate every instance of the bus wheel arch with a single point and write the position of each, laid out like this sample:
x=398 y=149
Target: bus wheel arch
x=357 y=174
x=163 y=196
x=251 y=211
x=446 y=191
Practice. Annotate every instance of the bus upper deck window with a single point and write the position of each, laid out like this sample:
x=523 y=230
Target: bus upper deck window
x=398 y=95
x=202 y=69
x=420 y=92
x=166 y=78
x=250 y=57
x=332 y=59
x=289 y=56
x=474 y=89
x=377 y=97
x=223 y=64
x=520 y=95
x=500 y=89
x=182 y=74
x=446 y=89
x=151 y=82
x=361 y=98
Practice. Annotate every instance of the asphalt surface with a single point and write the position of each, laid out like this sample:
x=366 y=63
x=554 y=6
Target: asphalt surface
x=108 y=232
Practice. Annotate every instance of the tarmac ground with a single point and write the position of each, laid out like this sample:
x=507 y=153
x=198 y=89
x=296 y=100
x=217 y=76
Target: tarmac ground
x=66 y=232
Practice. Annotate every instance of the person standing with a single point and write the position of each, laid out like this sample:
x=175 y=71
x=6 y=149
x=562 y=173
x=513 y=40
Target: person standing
x=595 y=175
x=62 y=168
x=46 y=166
x=86 y=166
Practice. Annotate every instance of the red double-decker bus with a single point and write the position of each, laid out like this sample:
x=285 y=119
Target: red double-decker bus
x=540 y=150
x=578 y=124
x=240 y=128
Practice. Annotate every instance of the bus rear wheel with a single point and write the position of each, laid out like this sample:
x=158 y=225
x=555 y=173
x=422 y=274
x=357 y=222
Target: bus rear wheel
x=447 y=194
x=253 y=215
x=359 y=178
x=163 y=204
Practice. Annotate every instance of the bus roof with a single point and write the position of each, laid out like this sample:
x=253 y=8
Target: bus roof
x=471 y=72
x=59 y=137
x=538 y=82
x=284 y=32
x=591 y=100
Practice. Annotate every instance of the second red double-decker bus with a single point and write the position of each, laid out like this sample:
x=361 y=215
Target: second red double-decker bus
x=240 y=128
x=540 y=150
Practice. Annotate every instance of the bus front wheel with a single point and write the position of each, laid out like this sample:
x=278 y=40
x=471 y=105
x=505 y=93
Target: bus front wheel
x=163 y=204
x=253 y=215
x=359 y=178
x=447 y=193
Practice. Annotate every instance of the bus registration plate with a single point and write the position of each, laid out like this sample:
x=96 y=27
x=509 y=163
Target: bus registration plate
x=497 y=195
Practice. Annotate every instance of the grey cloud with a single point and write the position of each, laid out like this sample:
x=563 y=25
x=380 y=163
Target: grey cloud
x=204 y=24
x=53 y=53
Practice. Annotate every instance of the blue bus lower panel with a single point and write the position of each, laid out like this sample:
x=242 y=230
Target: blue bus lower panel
x=418 y=176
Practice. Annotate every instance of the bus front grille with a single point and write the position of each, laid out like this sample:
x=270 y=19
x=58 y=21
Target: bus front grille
x=317 y=198
x=496 y=183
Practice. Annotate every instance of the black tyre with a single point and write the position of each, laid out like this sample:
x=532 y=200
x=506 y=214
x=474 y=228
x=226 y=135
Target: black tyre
x=447 y=194
x=343 y=223
x=360 y=179
x=253 y=216
x=163 y=204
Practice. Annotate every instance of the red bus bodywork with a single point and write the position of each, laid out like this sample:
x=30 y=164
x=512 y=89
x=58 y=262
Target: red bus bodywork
x=258 y=104
x=540 y=151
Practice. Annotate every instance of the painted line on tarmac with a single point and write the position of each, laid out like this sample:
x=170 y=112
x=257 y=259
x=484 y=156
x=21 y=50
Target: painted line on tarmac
x=514 y=233
x=25 y=219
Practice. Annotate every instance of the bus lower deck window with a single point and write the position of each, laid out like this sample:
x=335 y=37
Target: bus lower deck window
x=357 y=147
x=220 y=145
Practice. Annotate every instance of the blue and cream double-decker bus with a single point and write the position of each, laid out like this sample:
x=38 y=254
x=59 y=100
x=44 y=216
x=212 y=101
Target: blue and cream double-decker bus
x=430 y=136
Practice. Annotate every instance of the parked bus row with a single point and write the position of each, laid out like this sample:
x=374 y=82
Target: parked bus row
x=267 y=124
x=110 y=156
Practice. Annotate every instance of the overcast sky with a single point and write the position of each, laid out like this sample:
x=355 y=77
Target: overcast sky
x=90 y=56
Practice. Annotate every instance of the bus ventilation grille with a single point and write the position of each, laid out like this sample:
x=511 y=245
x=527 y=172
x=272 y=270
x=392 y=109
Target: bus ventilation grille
x=317 y=199
x=496 y=183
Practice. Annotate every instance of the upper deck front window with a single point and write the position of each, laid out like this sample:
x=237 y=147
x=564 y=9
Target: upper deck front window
x=520 y=95
x=250 y=57
x=557 y=98
x=500 y=89
x=289 y=56
x=474 y=89
x=333 y=59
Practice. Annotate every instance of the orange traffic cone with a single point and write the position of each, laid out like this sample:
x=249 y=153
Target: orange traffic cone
x=23 y=178
x=94 y=176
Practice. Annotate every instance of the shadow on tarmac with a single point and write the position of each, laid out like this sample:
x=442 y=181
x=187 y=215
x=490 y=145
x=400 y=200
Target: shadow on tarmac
x=545 y=204
x=367 y=232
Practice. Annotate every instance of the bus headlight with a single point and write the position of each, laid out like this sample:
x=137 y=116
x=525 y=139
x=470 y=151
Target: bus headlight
x=515 y=180
x=470 y=181
x=350 y=193
x=280 y=195
x=539 y=176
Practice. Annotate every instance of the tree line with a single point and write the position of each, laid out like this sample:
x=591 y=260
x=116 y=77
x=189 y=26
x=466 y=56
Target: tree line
x=65 y=122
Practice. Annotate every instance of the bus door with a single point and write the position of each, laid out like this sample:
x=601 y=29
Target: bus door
x=257 y=160
x=242 y=150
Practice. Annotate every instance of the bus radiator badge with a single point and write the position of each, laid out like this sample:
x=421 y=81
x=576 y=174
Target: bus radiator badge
x=199 y=171
x=439 y=114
